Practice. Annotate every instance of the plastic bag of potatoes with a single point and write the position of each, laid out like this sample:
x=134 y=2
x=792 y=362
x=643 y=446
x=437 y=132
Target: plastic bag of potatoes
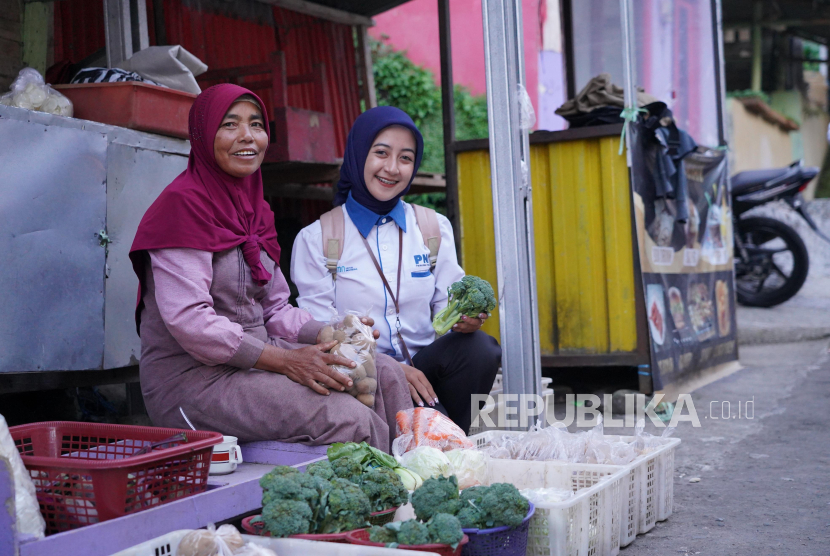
x=355 y=342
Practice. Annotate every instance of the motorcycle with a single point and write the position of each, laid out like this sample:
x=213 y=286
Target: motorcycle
x=771 y=260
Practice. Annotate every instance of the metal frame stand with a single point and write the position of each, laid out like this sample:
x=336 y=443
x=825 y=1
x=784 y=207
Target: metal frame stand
x=512 y=205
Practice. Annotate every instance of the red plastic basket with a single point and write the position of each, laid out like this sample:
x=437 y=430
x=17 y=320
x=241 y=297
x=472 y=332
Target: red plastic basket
x=259 y=529
x=361 y=536
x=87 y=473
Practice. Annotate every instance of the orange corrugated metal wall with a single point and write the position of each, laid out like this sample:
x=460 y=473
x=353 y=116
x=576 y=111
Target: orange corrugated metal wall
x=223 y=41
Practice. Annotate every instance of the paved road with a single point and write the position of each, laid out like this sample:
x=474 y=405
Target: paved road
x=764 y=485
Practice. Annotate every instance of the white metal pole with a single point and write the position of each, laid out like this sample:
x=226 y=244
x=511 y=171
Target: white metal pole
x=630 y=98
x=512 y=206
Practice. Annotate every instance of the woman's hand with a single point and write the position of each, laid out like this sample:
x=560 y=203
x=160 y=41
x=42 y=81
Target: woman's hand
x=419 y=387
x=368 y=321
x=467 y=325
x=308 y=366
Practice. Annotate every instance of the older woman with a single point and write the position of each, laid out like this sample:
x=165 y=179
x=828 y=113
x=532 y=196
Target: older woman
x=385 y=269
x=219 y=342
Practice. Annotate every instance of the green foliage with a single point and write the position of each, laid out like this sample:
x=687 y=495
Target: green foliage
x=749 y=93
x=811 y=51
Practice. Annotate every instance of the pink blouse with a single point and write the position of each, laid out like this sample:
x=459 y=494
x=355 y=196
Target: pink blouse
x=182 y=280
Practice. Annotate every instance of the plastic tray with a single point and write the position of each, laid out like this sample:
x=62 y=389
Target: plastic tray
x=361 y=537
x=132 y=104
x=166 y=545
x=587 y=524
x=86 y=473
x=648 y=485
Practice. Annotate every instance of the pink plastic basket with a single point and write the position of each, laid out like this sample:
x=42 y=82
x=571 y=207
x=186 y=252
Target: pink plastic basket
x=85 y=473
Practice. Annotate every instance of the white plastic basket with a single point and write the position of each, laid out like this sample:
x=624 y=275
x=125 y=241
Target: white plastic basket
x=647 y=486
x=494 y=410
x=166 y=545
x=588 y=524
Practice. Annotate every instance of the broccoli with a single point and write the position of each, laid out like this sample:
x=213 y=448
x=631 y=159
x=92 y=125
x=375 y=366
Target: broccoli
x=299 y=486
x=498 y=505
x=321 y=469
x=469 y=296
x=383 y=534
x=287 y=517
x=437 y=495
x=348 y=508
x=445 y=529
x=348 y=467
x=413 y=532
x=384 y=489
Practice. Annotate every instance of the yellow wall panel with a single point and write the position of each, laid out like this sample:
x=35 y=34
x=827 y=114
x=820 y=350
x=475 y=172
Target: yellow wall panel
x=582 y=225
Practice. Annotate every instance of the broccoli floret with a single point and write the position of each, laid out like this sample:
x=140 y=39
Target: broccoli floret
x=470 y=517
x=321 y=469
x=348 y=508
x=473 y=494
x=278 y=471
x=382 y=534
x=445 y=529
x=436 y=495
x=299 y=486
x=287 y=517
x=348 y=467
x=413 y=532
x=503 y=505
x=469 y=296
x=384 y=489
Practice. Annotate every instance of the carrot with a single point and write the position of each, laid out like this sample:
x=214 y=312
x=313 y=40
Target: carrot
x=404 y=424
x=418 y=426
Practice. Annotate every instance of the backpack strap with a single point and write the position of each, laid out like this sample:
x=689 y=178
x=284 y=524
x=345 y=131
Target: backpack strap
x=428 y=224
x=334 y=230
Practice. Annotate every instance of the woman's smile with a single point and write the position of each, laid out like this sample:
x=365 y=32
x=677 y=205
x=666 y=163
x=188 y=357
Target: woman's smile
x=387 y=182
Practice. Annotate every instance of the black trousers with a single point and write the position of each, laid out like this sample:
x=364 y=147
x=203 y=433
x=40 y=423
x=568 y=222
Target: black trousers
x=458 y=366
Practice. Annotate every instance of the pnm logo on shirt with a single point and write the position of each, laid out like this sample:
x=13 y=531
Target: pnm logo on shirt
x=341 y=269
x=422 y=260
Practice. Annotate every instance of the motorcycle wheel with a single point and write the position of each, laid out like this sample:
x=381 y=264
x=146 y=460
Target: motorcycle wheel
x=776 y=265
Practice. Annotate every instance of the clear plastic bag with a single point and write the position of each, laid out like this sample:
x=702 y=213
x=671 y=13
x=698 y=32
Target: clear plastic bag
x=543 y=496
x=29 y=520
x=356 y=343
x=31 y=92
x=427 y=462
x=225 y=541
x=252 y=549
x=429 y=427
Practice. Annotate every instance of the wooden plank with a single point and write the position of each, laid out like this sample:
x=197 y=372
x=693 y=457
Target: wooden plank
x=11 y=383
x=10 y=30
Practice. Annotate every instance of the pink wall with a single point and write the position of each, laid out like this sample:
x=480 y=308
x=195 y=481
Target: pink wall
x=414 y=27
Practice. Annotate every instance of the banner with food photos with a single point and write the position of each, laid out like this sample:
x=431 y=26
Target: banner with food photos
x=686 y=261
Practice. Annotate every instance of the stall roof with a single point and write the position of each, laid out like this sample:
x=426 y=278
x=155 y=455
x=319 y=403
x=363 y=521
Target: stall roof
x=366 y=8
x=806 y=18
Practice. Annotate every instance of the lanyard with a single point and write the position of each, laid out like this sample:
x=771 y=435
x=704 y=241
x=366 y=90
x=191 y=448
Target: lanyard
x=394 y=296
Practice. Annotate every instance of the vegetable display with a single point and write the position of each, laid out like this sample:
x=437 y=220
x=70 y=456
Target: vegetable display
x=300 y=503
x=424 y=426
x=478 y=507
x=441 y=529
x=469 y=296
x=357 y=343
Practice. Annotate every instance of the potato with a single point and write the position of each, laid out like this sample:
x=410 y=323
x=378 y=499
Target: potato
x=351 y=321
x=326 y=334
x=366 y=399
x=359 y=373
x=339 y=335
x=369 y=366
x=367 y=386
x=203 y=543
x=361 y=342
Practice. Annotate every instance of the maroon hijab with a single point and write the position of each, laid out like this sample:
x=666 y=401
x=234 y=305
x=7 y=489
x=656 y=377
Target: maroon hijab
x=205 y=208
